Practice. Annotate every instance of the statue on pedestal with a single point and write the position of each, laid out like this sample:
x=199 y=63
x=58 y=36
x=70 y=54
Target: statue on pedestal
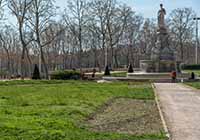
x=162 y=55
x=162 y=52
x=161 y=17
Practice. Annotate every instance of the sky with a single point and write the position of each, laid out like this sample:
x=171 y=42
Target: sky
x=149 y=8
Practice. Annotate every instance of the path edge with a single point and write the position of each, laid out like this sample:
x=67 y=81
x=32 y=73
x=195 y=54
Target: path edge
x=190 y=87
x=161 y=112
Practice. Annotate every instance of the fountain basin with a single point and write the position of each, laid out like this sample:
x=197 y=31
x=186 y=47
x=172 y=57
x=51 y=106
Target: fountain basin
x=162 y=66
x=156 y=76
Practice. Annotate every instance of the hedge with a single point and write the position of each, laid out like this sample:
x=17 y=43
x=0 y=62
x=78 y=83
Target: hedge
x=191 y=67
x=65 y=75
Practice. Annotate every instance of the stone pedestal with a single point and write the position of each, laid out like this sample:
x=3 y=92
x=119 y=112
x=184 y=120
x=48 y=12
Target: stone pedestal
x=161 y=66
x=156 y=76
x=162 y=56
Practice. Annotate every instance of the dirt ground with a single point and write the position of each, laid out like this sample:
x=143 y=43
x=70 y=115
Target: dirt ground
x=128 y=116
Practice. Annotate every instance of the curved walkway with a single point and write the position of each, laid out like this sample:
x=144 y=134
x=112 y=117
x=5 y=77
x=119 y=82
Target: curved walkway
x=181 y=107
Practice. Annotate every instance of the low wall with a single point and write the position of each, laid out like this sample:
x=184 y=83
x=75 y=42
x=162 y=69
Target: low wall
x=153 y=76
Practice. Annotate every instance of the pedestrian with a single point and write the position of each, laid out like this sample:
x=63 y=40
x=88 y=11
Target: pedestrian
x=192 y=76
x=93 y=73
x=173 y=76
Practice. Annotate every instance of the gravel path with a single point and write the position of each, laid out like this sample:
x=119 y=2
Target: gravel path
x=181 y=107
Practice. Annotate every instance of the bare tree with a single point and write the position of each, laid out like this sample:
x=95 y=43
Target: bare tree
x=19 y=9
x=76 y=17
x=90 y=33
x=182 y=25
x=100 y=11
x=148 y=37
x=41 y=13
x=116 y=24
x=54 y=49
x=132 y=36
x=8 y=42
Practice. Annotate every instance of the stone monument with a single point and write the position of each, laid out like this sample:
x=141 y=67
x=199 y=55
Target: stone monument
x=162 y=56
x=162 y=60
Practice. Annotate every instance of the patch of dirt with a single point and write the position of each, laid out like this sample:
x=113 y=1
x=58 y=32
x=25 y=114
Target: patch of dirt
x=128 y=116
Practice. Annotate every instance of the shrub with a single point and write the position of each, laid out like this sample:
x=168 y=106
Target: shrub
x=3 y=72
x=36 y=73
x=191 y=67
x=65 y=75
x=130 y=69
x=107 y=71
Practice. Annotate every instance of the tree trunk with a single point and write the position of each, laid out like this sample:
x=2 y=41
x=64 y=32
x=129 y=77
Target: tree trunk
x=23 y=64
x=30 y=62
x=9 y=64
x=44 y=63
x=182 y=52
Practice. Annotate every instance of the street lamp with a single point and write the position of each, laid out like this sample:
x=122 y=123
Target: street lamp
x=197 y=37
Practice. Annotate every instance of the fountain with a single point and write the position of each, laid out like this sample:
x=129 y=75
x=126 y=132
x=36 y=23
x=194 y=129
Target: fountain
x=163 y=60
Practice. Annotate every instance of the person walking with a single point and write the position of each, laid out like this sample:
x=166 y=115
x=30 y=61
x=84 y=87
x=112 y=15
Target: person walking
x=173 y=76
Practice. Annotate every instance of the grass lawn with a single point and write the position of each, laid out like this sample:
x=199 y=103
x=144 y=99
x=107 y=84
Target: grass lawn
x=194 y=84
x=119 y=74
x=57 y=110
x=197 y=72
x=114 y=74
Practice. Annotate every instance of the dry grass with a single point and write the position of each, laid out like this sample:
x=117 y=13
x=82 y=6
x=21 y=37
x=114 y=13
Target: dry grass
x=128 y=116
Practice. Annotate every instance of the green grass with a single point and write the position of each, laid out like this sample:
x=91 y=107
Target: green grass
x=197 y=72
x=194 y=84
x=114 y=74
x=119 y=74
x=56 y=110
